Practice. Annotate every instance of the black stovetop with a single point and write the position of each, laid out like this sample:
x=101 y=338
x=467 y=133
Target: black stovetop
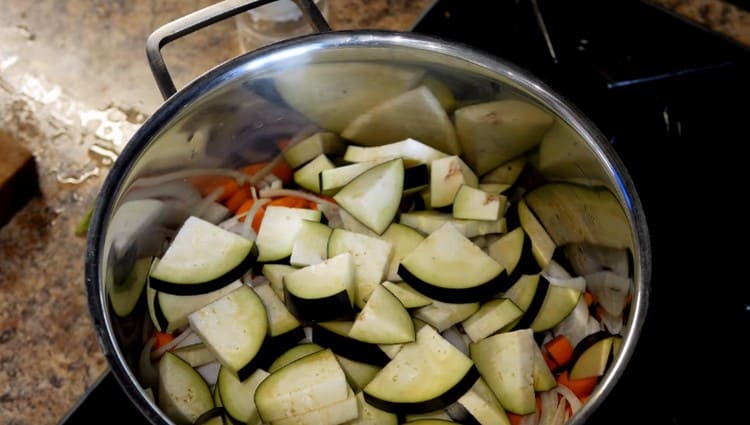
x=672 y=99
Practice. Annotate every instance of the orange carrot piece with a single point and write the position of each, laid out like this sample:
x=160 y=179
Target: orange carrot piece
x=588 y=297
x=162 y=338
x=251 y=169
x=551 y=363
x=258 y=218
x=327 y=198
x=559 y=349
x=238 y=198
x=581 y=387
x=515 y=419
x=207 y=184
x=290 y=202
x=282 y=170
x=258 y=214
x=245 y=207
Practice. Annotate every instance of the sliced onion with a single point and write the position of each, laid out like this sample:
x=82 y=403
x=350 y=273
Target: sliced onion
x=255 y=281
x=612 y=323
x=248 y=230
x=209 y=372
x=308 y=334
x=215 y=213
x=200 y=208
x=575 y=326
x=453 y=336
x=273 y=193
x=548 y=407
x=555 y=270
x=573 y=401
x=191 y=339
x=577 y=283
x=258 y=177
x=156 y=354
x=231 y=222
x=610 y=289
x=559 y=415
x=593 y=326
x=235 y=226
x=332 y=214
x=530 y=419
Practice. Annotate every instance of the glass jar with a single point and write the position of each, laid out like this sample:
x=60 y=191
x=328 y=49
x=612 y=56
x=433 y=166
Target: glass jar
x=273 y=22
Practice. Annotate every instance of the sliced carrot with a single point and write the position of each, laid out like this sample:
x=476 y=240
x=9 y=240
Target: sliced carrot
x=162 y=338
x=258 y=215
x=514 y=418
x=588 y=297
x=559 y=349
x=327 y=198
x=581 y=387
x=238 y=198
x=207 y=184
x=291 y=202
x=252 y=169
x=282 y=170
x=551 y=363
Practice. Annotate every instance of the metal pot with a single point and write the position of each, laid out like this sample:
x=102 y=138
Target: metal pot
x=228 y=116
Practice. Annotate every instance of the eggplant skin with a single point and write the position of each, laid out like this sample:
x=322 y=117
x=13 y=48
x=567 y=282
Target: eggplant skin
x=211 y=285
x=275 y=346
x=536 y=304
x=447 y=398
x=477 y=293
x=216 y=412
x=331 y=307
x=350 y=348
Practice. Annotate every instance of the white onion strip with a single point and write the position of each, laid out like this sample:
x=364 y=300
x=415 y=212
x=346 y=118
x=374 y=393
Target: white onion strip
x=530 y=419
x=548 y=407
x=273 y=193
x=156 y=354
x=266 y=170
x=558 y=417
x=200 y=208
x=248 y=230
x=577 y=283
x=231 y=221
x=567 y=393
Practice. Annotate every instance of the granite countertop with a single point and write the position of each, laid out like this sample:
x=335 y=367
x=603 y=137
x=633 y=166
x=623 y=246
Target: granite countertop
x=58 y=62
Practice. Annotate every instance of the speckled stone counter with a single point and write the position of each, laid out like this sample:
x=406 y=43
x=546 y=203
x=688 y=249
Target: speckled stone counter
x=74 y=85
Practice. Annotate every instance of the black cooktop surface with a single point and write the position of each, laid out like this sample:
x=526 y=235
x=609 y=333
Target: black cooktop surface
x=672 y=99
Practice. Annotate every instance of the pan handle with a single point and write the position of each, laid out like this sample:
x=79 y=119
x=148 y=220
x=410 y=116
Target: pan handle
x=192 y=22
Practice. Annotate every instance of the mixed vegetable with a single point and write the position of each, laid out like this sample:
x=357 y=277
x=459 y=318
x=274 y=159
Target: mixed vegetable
x=377 y=271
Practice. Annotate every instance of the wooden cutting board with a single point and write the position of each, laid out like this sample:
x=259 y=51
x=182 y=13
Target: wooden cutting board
x=19 y=180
